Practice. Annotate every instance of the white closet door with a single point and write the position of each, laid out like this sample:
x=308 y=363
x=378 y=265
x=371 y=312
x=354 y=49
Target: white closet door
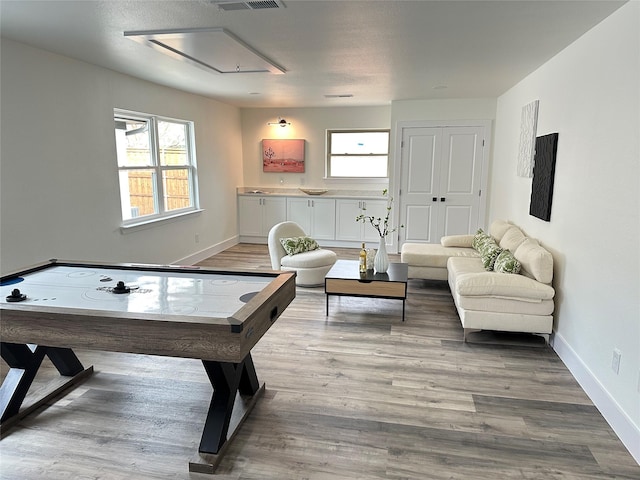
x=440 y=182
x=460 y=179
x=419 y=183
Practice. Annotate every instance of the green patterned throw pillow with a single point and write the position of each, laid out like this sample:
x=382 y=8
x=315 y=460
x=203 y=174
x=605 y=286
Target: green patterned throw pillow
x=507 y=263
x=479 y=240
x=296 y=245
x=489 y=251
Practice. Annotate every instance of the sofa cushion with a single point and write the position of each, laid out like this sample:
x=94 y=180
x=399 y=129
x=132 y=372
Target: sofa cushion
x=464 y=265
x=295 y=245
x=432 y=254
x=536 y=261
x=491 y=303
x=457 y=241
x=314 y=258
x=470 y=279
x=507 y=263
x=498 y=228
x=512 y=239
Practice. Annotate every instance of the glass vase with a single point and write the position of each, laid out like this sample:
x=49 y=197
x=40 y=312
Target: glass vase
x=371 y=255
x=381 y=262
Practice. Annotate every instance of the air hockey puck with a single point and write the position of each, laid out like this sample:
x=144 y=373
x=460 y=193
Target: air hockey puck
x=121 y=288
x=16 y=296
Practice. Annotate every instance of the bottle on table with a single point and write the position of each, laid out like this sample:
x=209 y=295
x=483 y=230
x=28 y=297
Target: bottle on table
x=363 y=259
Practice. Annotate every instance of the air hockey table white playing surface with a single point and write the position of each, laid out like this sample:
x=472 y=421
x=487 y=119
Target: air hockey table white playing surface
x=195 y=292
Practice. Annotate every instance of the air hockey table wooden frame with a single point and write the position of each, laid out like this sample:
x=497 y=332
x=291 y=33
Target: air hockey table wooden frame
x=29 y=331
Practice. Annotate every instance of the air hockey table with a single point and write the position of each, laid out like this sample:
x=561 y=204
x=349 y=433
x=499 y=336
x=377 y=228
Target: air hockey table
x=189 y=312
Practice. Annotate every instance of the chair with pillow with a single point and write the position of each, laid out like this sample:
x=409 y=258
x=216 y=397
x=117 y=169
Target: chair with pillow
x=292 y=250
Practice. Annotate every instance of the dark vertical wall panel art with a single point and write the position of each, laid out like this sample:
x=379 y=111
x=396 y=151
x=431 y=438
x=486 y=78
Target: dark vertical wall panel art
x=544 y=169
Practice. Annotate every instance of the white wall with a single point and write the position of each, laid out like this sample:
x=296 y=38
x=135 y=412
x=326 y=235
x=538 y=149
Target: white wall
x=444 y=109
x=589 y=94
x=59 y=187
x=310 y=124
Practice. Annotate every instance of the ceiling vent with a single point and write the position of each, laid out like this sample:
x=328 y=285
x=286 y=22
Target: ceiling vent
x=230 y=5
x=338 y=95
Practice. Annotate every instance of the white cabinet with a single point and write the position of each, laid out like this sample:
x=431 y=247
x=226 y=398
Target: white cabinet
x=316 y=216
x=346 y=212
x=332 y=220
x=257 y=215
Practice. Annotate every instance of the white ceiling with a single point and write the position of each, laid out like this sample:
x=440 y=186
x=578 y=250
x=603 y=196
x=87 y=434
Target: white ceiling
x=376 y=50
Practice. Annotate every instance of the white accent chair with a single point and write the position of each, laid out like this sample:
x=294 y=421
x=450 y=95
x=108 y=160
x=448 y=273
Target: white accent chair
x=310 y=267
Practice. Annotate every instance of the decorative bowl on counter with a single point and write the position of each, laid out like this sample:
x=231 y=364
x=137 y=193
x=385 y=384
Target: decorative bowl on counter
x=313 y=191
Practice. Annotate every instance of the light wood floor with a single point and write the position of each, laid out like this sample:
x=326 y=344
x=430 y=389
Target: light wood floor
x=357 y=395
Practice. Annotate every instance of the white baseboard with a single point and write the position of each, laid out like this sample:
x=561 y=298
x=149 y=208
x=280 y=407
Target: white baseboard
x=207 y=252
x=622 y=425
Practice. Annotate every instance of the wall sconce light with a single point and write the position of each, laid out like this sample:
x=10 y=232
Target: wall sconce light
x=281 y=121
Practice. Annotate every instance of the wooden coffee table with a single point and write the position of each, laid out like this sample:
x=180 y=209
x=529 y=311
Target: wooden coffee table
x=344 y=279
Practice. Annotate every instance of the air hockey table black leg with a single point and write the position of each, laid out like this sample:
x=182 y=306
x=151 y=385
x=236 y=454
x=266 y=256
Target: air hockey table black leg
x=227 y=380
x=23 y=366
x=235 y=392
x=64 y=360
x=24 y=362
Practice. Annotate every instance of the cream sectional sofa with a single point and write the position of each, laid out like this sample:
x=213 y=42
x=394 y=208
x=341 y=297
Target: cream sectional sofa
x=491 y=300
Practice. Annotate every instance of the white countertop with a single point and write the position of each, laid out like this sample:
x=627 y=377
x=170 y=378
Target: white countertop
x=296 y=192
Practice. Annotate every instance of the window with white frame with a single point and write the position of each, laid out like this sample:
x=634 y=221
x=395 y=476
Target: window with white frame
x=156 y=166
x=357 y=153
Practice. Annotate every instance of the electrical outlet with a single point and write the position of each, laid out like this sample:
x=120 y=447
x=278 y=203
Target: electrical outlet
x=197 y=238
x=615 y=361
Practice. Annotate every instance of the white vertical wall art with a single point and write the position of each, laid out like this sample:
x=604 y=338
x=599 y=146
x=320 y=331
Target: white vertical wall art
x=528 y=126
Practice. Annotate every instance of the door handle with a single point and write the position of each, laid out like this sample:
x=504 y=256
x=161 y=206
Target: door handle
x=434 y=199
x=442 y=199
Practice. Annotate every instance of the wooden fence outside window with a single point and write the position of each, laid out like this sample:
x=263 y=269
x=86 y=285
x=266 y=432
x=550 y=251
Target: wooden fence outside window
x=141 y=182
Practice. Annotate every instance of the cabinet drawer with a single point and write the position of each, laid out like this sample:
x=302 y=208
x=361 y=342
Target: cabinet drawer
x=339 y=286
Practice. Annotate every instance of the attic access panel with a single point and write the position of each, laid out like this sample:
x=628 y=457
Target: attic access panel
x=214 y=49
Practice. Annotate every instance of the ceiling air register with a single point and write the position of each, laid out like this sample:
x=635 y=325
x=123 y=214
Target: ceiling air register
x=230 y=5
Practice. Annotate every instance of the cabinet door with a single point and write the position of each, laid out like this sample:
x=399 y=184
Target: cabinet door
x=323 y=214
x=274 y=211
x=299 y=211
x=377 y=209
x=250 y=216
x=346 y=226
